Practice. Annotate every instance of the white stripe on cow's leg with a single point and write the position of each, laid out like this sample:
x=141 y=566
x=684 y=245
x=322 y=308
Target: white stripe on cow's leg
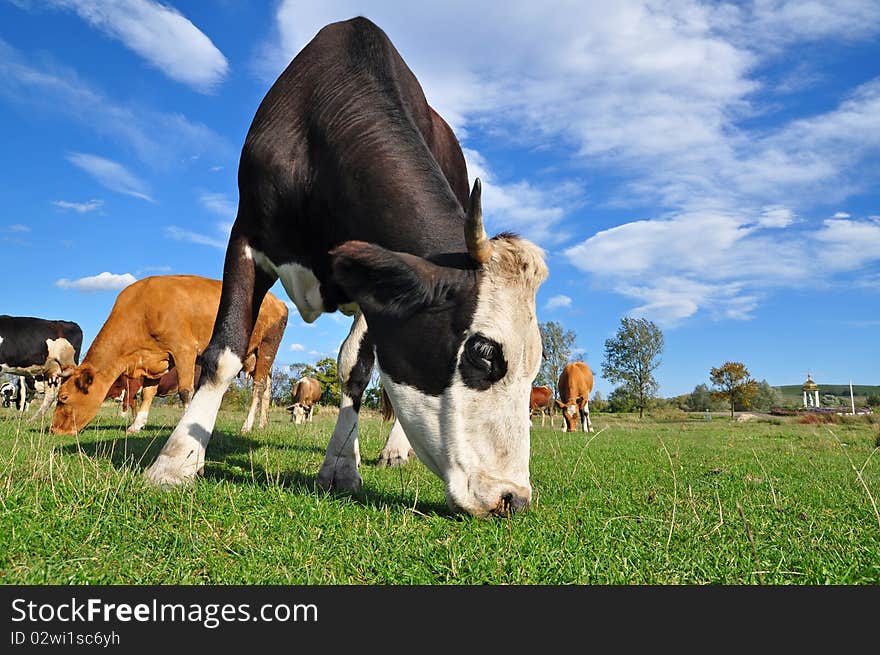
x=22 y=394
x=140 y=420
x=265 y=401
x=354 y=365
x=183 y=455
x=49 y=396
x=397 y=448
x=588 y=425
x=252 y=411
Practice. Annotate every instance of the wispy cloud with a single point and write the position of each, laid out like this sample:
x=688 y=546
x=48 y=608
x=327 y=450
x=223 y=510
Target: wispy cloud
x=159 y=139
x=180 y=234
x=298 y=347
x=111 y=174
x=218 y=203
x=18 y=227
x=79 y=207
x=102 y=282
x=558 y=302
x=160 y=34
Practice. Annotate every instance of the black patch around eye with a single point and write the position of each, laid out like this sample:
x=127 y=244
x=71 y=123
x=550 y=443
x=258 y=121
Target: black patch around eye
x=482 y=363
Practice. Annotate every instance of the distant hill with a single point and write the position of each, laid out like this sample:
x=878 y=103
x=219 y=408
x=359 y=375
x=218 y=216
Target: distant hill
x=793 y=393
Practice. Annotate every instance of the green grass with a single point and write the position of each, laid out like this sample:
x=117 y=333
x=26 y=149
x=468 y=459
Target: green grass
x=653 y=502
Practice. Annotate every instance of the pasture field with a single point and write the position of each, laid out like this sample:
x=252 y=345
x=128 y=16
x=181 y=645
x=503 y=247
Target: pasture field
x=654 y=502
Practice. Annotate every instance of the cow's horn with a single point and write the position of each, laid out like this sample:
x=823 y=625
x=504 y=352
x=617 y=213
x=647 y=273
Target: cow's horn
x=478 y=244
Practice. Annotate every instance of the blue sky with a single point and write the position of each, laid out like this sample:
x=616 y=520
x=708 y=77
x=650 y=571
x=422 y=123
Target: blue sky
x=713 y=167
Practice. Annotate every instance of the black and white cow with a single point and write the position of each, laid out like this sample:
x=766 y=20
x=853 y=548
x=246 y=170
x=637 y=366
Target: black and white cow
x=41 y=350
x=353 y=191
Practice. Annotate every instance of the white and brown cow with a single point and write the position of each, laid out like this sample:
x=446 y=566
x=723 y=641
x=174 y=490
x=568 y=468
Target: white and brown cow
x=575 y=386
x=39 y=350
x=306 y=393
x=540 y=402
x=157 y=323
x=354 y=192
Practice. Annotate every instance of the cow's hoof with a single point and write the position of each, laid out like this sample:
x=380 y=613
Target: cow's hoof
x=391 y=457
x=165 y=473
x=133 y=429
x=340 y=477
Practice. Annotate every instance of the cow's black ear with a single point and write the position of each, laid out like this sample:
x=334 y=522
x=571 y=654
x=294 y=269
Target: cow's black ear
x=385 y=281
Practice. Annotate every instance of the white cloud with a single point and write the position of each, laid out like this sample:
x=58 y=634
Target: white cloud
x=652 y=100
x=102 y=282
x=298 y=347
x=558 y=302
x=161 y=35
x=79 y=207
x=111 y=174
x=18 y=227
x=218 y=203
x=179 y=234
x=841 y=215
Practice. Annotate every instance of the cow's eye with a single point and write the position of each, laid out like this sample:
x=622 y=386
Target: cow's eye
x=483 y=362
x=481 y=352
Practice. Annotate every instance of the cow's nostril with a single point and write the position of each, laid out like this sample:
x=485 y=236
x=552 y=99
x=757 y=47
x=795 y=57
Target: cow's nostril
x=512 y=503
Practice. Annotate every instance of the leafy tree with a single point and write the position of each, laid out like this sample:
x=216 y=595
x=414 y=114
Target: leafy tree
x=621 y=400
x=558 y=345
x=873 y=400
x=765 y=396
x=733 y=384
x=702 y=400
x=282 y=386
x=631 y=358
x=598 y=403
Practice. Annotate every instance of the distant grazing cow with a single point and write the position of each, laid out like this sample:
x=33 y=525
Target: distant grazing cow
x=158 y=323
x=540 y=401
x=575 y=386
x=354 y=192
x=306 y=392
x=125 y=389
x=41 y=349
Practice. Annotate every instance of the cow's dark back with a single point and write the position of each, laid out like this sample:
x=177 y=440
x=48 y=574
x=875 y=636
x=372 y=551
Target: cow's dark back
x=368 y=150
x=24 y=339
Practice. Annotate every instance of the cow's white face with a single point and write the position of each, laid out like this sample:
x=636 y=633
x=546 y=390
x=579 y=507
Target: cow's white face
x=299 y=414
x=475 y=434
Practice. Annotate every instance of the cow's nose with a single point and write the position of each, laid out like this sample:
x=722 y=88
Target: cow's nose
x=512 y=502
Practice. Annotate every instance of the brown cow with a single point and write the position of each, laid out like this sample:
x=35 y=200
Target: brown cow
x=540 y=401
x=575 y=386
x=306 y=392
x=158 y=323
x=125 y=389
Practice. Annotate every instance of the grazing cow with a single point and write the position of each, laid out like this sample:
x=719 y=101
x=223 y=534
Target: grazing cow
x=540 y=401
x=39 y=349
x=575 y=386
x=306 y=392
x=352 y=191
x=158 y=323
x=125 y=389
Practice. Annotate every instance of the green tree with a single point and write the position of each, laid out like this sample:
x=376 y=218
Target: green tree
x=873 y=400
x=621 y=400
x=558 y=346
x=631 y=358
x=702 y=400
x=324 y=371
x=598 y=403
x=765 y=396
x=733 y=384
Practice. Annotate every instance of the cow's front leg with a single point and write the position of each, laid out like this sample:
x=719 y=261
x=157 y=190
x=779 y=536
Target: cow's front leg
x=354 y=365
x=147 y=394
x=397 y=450
x=244 y=286
x=49 y=395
